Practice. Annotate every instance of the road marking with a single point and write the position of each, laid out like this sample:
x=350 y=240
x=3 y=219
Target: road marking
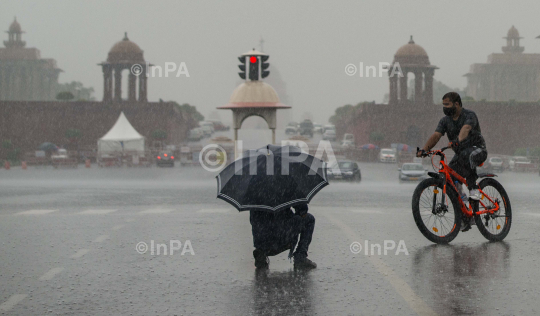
x=117 y=227
x=401 y=287
x=101 y=238
x=80 y=253
x=50 y=274
x=36 y=212
x=156 y=211
x=96 y=212
x=12 y=301
x=214 y=210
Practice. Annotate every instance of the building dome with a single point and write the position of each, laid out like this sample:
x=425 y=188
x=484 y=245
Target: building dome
x=125 y=51
x=15 y=27
x=254 y=94
x=512 y=33
x=411 y=53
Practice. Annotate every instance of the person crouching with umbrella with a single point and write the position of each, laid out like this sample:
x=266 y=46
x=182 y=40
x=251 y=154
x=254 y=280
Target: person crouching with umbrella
x=269 y=182
x=276 y=232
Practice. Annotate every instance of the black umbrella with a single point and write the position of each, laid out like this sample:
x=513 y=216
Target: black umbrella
x=271 y=178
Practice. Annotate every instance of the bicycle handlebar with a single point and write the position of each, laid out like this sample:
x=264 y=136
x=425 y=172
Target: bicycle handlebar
x=431 y=152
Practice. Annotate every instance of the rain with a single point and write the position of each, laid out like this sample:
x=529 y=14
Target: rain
x=269 y=158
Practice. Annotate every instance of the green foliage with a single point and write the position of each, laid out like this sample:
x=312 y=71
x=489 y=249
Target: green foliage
x=13 y=155
x=78 y=91
x=73 y=133
x=533 y=152
x=159 y=134
x=6 y=144
x=65 y=96
x=190 y=109
x=376 y=136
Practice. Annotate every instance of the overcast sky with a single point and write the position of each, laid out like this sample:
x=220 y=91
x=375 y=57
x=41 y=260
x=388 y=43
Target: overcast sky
x=310 y=42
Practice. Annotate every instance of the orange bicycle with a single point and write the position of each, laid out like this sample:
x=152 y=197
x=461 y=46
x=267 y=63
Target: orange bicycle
x=439 y=211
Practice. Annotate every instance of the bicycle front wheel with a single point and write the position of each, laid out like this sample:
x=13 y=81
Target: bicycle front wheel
x=496 y=226
x=438 y=221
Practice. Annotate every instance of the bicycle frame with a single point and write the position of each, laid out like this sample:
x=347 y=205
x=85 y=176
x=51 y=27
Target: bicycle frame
x=448 y=173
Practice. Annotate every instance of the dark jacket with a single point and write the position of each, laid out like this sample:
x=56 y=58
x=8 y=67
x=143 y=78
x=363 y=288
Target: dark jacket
x=269 y=229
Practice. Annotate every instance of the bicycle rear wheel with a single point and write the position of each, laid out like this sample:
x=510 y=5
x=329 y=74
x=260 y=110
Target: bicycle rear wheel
x=438 y=222
x=496 y=226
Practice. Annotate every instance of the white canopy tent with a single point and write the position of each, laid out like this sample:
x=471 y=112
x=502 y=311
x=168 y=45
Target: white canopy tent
x=121 y=137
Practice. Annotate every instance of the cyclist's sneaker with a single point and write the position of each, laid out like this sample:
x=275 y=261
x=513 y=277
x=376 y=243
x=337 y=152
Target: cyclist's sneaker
x=466 y=223
x=474 y=194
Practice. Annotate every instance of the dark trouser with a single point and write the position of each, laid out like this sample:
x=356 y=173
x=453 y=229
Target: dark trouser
x=285 y=235
x=465 y=163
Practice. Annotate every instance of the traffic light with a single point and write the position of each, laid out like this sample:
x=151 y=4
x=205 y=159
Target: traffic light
x=264 y=66
x=253 y=68
x=242 y=67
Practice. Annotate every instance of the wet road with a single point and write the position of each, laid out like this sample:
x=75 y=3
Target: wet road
x=69 y=238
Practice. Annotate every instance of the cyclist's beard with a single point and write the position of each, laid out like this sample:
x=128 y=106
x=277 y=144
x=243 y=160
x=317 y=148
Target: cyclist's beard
x=449 y=111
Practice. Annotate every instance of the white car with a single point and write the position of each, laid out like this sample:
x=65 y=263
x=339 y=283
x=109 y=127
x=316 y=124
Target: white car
x=207 y=130
x=209 y=125
x=317 y=128
x=494 y=163
x=291 y=130
x=196 y=134
x=348 y=137
x=329 y=135
x=412 y=172
x=328 y=128
x=347 y=144
x=388 y=155
x=518 y=160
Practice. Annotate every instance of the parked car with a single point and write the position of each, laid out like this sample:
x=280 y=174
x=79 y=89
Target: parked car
x=218 y=126
x=412 y=172
x=306 y=128
x=520 y=163
x=208 y=127
x=388 y=155
x=344 y=170
x=207 y=130
x=328 y=127
x=195 y=134
x=347 y=144
x=329 y=135
x=290 y=130
x=494 y=164
x=317 y=128
x=348 y=137
x=165 y=158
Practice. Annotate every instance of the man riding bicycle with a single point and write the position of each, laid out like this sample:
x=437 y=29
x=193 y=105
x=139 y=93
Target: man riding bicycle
x=465 y=138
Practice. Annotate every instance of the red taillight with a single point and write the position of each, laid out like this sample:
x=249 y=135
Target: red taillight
x=165 y=155
x=172 y=157
x=158 y=157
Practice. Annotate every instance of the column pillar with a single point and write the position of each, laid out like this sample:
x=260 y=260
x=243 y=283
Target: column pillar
x=235 y=143
x=418 y=78
x=107 y=83
x=403 y=87
x=273 y=136
x=393 y=89
x=429 y=87
x=117 y=84
x=142 y=86
x=132 y=81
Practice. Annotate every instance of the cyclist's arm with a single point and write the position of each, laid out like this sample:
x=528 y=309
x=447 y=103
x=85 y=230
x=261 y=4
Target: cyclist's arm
x=464 y=132
x=432 y=141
